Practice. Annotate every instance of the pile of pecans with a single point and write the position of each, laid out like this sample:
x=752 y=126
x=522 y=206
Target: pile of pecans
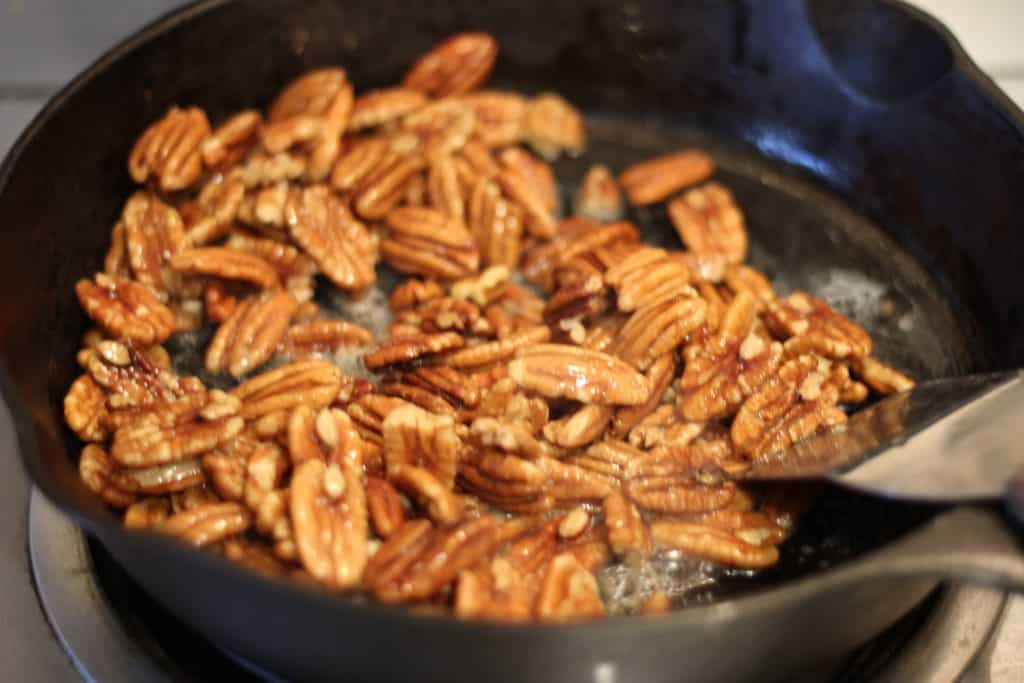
x=511 y=444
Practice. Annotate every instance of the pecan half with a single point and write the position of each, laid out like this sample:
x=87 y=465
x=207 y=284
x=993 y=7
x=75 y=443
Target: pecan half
x=229 y=264
x=811 y=325
x=579 y=428
x=426 y=242
x=498 y=350
x=327 y=435
x=454 y=66
x=330 y=336
x=496 y=224
x=656 y=329
x=384 y=505
x=499 y=116
x=158 y=440
x=417 y=561
x=438 y=502
x=328 y=512
x=95 y=468
x=648 y=276
x=521 y=190
x=457 y=389
x=710 y=224
x=407 y=349
x=741 y=278
x=553 y=126
x=207 y=524
x=659 y=376
x=85 y=409
x=568 y=592
x=880 y=377
x=507 y=482
x=599 y=197
x=413 y=292
x=216 y=210
x=153 y=233
x=795 y=402
x=712 y=544
x=557 y=370
x=250 y=335
x=627 y=531
x=734 y=363
x=569 y=483
x=308 y=382
x=326 y=230
x=512 y=436
x=415 y=437
x=228 y=142
x=169 y=149
x=379 y=107
x=656 y=179
x=174 y=477
x=125 y=309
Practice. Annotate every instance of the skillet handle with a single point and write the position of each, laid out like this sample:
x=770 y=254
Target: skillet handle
x=972 y=544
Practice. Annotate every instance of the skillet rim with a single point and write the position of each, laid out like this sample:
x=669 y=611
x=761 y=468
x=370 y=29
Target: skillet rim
x=103 y=526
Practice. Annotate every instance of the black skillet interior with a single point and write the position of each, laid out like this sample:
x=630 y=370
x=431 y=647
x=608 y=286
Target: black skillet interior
x=841 y=140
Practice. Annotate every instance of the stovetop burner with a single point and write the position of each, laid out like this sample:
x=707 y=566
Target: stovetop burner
x=113 y=631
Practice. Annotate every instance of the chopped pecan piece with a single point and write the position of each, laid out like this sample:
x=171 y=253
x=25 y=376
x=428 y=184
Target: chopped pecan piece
x=250 y=335
x=557 y=370
x=169 y=150
x=553 y=126
x=795 y=402
x=328 y=512
x=407 y=349
x=230 y=264
x=496 y=591
x=125 y=309
x=415 y=437
x=656 y=179
x=512 y=436
x=811 y=325
x=341 y=246
x=417 y=561
x=413 y=292
x=309 y=382
x=207 y=524
x=664 y=427
x=568 y=592
x=599 y=197
x=440 y=504
x=379 y=107
x=710 y=224
x=384 y=505
x=734 y=363
x=880 y=377
x=712 y=544
x=427 y=242
x=457 y=65
x=627 y=531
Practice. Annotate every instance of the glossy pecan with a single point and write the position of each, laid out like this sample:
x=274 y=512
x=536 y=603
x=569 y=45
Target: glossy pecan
x=456 y=388
x=443 y=188
x=95 y=469
x=434 y=498
x=148 y=513
x=810 y=325
x=510 y=435
x=663 y=427
x=418 y=561
x=424 y=241
x=713 y=544
x=599 y=197
x=454 y=66
x=539 y=220
x=627 y=530
x=674 y=493
x=710 y=224
x=795 y=402
x=880 y=377
x=507 y=482
x=153 y=233
x=328 y=512
x=496 y=224
x=327 y=435
x=659 y=376
x=308 y=382
x=207 y=524
x=497 y=591
x=407 y=349
x=648 y=276
x=553 y=126
x=254 y=556
x=379 y=107
x=579 y=428
x=171 y=436
x=125 y=309
x=610 y=458
x=250 y=335
x=325 y=336
x=656 y=179
x=722 y=372
x=415 y=437
x=216 y=209
x=741 y=277
x=226 y=466
x=229 y=264
x=657 y=329
x=558 y=370
x=169 y=150
x=570 y=483
x=132 y=379
x=181 y=476
x=229 y=141
x=385 y=183
x=85 y=409
x=413 y=292
x=442 y=127
x=261 y=169
x=568 y=592
x=500 y=116
x=326 y=230
x=387 y=513
x=361 y=160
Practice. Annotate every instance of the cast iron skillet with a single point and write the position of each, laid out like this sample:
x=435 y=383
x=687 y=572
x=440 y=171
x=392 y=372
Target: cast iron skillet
x=875 y=164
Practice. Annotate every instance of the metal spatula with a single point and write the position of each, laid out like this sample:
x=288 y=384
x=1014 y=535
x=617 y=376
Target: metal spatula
x=948 y=440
